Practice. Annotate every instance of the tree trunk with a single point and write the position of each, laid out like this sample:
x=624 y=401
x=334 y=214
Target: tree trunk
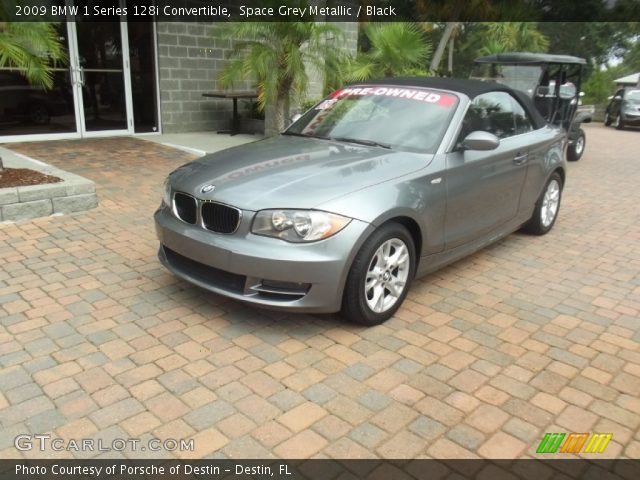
x=270 y=127
x=1 y=165
x=275 y=118
x=444 y=40
x=281 y=112
x=450 y=59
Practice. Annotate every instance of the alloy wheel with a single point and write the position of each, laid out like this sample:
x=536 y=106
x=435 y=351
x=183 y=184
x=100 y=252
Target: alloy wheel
x=550 y=203
x=387 y=275
x=579 y=146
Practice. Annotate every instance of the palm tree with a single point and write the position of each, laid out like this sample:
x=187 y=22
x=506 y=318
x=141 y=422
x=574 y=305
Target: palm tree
x=513 y=36
x=396 y=49
x=453 y=11
x=276 y=56
x=492 y=46
x=32 y=48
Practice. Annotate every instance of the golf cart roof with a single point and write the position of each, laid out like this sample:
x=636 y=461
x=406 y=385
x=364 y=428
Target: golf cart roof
x=527 y=58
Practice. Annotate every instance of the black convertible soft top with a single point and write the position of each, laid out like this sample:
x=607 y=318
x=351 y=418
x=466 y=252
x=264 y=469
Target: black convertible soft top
x=470 y=88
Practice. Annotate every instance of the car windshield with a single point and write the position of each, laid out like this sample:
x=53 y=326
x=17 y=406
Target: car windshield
x=519 y=77
x=633 y=96
x=404 y=118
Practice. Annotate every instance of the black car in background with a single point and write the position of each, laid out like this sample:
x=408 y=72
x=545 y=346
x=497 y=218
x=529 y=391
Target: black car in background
x=624 y=108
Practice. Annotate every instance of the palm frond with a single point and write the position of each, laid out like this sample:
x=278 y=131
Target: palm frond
x=276 y=55
x=396 y=49
x=32 y=49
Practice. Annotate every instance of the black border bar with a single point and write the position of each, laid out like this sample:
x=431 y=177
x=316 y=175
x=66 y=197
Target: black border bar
x=323 y=10
x=529 y=469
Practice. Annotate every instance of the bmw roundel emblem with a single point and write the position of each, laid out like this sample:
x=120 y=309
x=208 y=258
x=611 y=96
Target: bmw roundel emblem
x=207 y=188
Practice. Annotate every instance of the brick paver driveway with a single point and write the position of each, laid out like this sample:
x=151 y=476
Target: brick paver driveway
x=532 y=335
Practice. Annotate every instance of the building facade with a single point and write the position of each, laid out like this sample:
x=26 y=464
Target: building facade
x=128 y=78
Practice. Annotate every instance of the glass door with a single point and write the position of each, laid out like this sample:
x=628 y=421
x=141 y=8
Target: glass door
x=28 y=110
x=101 y=67
x=92 y=90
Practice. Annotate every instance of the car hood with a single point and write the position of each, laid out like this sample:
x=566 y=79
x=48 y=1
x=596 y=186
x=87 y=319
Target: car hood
x=292 y=172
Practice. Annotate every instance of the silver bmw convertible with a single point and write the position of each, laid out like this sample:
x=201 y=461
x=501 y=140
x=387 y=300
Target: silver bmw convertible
x=376 y=185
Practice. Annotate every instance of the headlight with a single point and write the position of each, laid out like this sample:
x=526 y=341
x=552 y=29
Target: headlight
x=166 y=192
x=298 y=225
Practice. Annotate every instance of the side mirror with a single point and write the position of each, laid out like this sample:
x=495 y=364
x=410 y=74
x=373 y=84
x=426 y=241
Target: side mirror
x=567 y=91
x=618 y=97
x=480 y=140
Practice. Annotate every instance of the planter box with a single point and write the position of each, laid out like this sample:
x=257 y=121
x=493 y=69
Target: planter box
x=73 y=194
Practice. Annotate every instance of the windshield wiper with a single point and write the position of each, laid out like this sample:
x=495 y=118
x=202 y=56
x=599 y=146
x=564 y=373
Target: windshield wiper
x=295 y=134
x=362 y=141
x=307 y=135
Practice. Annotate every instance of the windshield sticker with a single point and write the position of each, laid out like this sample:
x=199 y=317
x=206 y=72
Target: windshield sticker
x=419 y=95
x=326 y=104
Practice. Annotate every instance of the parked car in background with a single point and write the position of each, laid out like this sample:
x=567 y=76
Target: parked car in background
x=624 y=109
x=375 y=185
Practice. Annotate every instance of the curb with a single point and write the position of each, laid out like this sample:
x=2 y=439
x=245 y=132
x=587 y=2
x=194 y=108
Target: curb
x=73 y=194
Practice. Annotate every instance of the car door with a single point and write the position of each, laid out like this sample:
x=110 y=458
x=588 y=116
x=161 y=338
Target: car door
x=616 y=103
x=484 y=187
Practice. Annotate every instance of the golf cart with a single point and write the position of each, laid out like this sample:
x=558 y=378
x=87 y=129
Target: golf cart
x=553 y=83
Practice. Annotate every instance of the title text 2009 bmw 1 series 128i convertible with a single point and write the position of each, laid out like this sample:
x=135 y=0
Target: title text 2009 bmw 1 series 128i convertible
x=375 y=185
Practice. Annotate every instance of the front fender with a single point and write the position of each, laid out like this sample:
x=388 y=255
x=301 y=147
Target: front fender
x=416 y=198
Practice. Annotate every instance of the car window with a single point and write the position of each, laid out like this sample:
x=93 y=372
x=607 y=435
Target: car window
x=633 y=96
x=498 y=113
x=523 y=122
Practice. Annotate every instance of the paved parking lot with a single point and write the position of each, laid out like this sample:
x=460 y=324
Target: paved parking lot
x=532 y=335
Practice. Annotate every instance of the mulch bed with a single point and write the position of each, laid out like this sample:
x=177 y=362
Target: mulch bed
x=22 y=177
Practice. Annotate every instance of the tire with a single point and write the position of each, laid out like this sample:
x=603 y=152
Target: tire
x=575 y=151
x=547 y=207
x=359 y=303
x=607 y=119
x=619 y=123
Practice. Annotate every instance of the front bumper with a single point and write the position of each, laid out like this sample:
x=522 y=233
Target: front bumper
x=631 y=118
x=265 y=271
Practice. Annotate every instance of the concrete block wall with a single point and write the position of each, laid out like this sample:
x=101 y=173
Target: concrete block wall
x=190 y=57
x=349 y=44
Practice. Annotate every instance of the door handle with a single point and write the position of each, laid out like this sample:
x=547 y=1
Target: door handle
x=520 y=158
x=74 y=76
